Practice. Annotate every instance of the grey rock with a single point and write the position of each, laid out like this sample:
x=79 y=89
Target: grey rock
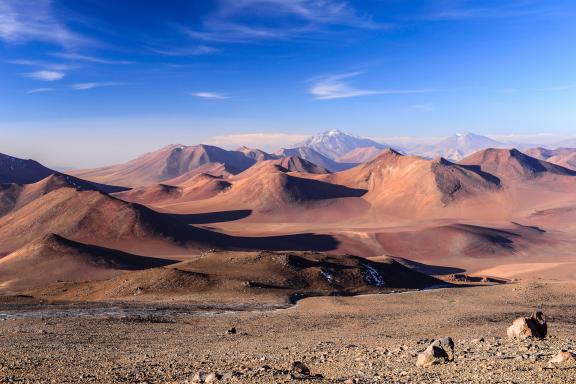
x=441 y=350
x=533 y=326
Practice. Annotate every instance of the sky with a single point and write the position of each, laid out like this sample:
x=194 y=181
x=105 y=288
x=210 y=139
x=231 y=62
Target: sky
x=92 y=82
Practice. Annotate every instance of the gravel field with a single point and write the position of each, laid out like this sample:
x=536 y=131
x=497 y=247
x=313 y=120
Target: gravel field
x=363 y=339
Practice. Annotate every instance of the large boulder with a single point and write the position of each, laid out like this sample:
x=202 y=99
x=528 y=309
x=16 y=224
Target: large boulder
x=438 y=351
x=533 y=326
x=563 y=357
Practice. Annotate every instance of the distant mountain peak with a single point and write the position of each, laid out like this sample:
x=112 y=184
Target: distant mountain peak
x=334 y=132
x=460 y=145
x=335 y=143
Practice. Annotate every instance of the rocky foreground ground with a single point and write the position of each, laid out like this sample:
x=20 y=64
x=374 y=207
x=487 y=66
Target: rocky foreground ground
x=366 y=339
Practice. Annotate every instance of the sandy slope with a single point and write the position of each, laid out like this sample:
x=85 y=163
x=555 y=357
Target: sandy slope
x=269 y=191
x=167 y=163
x=14 y=196
x=53 y=258
x=96 y=218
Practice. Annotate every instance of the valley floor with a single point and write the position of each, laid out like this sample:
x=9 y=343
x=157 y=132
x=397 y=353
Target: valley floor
x=371 y=338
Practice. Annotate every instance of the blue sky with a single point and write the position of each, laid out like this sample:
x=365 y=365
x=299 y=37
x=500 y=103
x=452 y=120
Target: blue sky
x=92 y=82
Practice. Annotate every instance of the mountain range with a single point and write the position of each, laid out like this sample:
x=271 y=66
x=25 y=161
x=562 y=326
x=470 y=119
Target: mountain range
x=458 y=146
x=337 y=194
x=334 y=143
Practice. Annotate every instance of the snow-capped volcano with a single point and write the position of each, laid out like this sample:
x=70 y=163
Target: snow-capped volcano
x=458 y=146
x=335 y=143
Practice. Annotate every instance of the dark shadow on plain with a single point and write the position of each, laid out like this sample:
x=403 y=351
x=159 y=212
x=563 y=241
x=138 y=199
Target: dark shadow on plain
x=533 y=227
x=187 y=235
x=427 y=269
x=308 y=190
x=297 y=242
x=211 y=217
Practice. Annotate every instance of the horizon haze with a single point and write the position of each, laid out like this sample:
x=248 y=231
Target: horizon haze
x=83 y=80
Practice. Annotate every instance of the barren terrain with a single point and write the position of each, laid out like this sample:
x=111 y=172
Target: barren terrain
x=371 y=338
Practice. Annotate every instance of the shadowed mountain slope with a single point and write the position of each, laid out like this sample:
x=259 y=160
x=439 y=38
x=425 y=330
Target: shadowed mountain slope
x=511 y=164
x=14 y=196
x=19 y=171
x=414 y=184
x=287 y=276
x=565 y=157
x=314 y=157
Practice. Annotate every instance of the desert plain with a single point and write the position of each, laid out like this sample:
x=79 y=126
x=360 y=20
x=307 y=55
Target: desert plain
x=199 y=264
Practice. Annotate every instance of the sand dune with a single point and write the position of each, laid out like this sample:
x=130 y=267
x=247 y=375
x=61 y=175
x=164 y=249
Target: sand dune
x=165 y=164
x=231 y=275
x=52 y=258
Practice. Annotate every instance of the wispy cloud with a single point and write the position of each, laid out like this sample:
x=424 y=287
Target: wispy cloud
x=426 y=107
x=501 y=11
x=537 y=138
x=407 y=140
x=293 y=18
x=90 y=59
x=34 y=20
x=87 y=86
x=560 y=88
x=39 y=90
x=198 y=50
x=45 y=75
x=210 y=95
x=340 y=87
x=43 y=64
x=264 y=140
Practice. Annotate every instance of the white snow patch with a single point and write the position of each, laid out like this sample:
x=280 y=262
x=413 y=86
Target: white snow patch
x=372 y=276
x=327 y=276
